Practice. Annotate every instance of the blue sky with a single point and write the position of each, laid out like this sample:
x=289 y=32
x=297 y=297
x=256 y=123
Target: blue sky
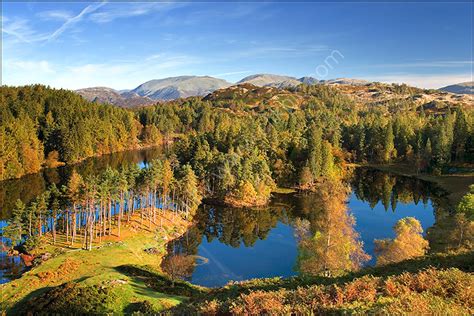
x=120 y=45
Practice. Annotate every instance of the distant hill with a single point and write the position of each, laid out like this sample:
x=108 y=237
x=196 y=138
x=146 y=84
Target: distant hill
x=125 y=99
x=277 y=81
x=349 y=81
x=180 y=87
x=460 y=88
x=308 y=80
x=269 y=80
x=187 y=86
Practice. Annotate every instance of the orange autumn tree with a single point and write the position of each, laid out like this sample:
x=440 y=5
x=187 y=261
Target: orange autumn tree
x=334 y=247
x=178 y=267
x=408 y=243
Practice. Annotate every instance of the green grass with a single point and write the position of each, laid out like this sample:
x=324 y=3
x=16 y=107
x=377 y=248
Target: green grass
x=103 y=267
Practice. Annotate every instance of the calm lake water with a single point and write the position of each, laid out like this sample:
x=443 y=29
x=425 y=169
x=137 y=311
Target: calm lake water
x=239 y=244
x=235 y=244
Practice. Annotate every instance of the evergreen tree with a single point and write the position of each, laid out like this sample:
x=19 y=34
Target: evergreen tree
x=190 y=191
x=327 y=165
x=315 y=152
x=389 y=151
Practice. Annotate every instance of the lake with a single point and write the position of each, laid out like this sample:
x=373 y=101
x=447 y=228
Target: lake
x=239 y=244
x=235 y=244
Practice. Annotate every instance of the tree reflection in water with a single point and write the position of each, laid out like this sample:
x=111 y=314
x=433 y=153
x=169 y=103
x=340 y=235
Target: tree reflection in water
x=329 y=245
x=32 y=185
x=327 y=238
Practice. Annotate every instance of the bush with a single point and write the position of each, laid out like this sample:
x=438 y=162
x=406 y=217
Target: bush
x=429 y=291
x=32 y=243
x=69 y=298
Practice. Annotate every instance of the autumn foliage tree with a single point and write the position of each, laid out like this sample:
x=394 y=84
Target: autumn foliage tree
x=408 y=243
x=333 y=245
x=178 y=266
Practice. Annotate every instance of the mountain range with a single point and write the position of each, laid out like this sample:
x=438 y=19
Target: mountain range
x=185 y=86
x=126 y=99
x=460 y=88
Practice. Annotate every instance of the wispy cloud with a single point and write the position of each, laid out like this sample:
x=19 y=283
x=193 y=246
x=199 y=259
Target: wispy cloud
x=30 y=66
x=55 y=15
x=76 y=19
x=112 y=73
x=125 y=10
x=20 y=28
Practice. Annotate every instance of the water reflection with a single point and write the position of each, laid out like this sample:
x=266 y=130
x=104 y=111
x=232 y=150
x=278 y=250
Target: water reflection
x=329 y=243
x=239 y=244
x=30 y=186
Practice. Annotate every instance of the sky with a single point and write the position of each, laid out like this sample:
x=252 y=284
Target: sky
x=123 y=44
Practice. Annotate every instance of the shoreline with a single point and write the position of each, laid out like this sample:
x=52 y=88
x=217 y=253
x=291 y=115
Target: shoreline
x=62 y=164
x=456 y=185
x=99 y=266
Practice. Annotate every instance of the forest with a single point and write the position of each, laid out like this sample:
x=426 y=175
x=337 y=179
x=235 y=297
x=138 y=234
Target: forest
x=89 y=209
x=238 y=149
x=242 y=145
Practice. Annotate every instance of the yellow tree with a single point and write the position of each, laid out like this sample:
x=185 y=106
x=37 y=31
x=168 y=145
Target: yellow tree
x=167 y=180
x=74 y=193
x=408 y=243
x=334 y=247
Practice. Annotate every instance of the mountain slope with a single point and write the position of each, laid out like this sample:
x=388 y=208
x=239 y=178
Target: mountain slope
x=269 y=80
x=308 y=80
x=180 y=87
x=348 y=81
x=460 y=88
x=107 y=95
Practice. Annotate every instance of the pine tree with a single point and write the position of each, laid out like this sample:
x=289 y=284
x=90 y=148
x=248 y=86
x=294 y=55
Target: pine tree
x=389 y=151
x=315 y=148
x=190 y=191
x=15 y=225
x=327 y=165
x=74 y=193
x=306 y=177
x=461 y=133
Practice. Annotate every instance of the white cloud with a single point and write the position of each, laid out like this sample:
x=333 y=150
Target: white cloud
x=21 y=30
x=124 y=10
x=55 y=15
x=76 y=19
x=114 y=74
x=41 y=66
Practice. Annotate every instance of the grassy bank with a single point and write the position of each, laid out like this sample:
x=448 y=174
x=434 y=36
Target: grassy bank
x=118 y=273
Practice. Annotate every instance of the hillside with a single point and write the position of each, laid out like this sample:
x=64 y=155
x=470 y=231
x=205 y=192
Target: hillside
x=437 y=284
x=381 y=94
x=346 y=81
x=179 y=87
x=460 y=88
x=173 y=88
x=269 y=80
x=362 y=96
